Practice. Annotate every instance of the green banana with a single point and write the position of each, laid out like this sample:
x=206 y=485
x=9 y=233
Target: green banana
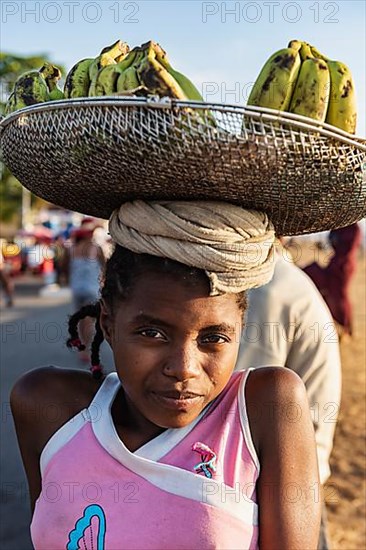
x=316 y=53
x=276 y=81
x=305 y=49
x=52 y=75
x=184 y=82
x=123 y=55
x=342 y=105
x=306 y=52
x=92 y=91
x=11 y=106
x=189 y=89
x=295 y=44
x=156 y=78
x=128 y=79
x=96 y=87
x=108 y=56
x=29 y=89
x=311 y=94
x=342 y=109
x=105 y=82
x=77 y=80
x=50 y=72
x=56 y=93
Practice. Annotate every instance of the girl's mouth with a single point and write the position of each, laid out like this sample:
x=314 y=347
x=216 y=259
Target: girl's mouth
x=176 y=400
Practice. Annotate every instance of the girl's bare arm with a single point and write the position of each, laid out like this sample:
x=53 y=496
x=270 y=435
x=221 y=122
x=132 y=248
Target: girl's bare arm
x=288 y=486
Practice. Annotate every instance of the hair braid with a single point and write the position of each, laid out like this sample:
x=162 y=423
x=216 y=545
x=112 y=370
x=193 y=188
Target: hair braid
x=74 y=340
x=96 y=367
x=93 y=311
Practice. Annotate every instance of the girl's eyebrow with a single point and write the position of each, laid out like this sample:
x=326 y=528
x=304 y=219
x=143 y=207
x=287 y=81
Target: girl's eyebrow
x=142 y=318
x=222 y=327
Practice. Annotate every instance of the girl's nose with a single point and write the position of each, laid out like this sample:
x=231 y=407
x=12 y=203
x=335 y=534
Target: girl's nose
x=183 y=363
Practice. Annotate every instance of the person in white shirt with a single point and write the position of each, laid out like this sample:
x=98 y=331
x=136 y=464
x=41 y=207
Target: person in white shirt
x=288 y=324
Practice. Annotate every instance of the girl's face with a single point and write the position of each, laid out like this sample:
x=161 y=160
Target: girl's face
x=174 y=347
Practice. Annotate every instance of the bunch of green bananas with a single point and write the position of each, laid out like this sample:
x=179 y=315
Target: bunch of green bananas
x=300 y=80
x=35 y=87
x=145 y=70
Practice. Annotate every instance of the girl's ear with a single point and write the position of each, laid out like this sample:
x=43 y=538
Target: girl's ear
x=105 y=322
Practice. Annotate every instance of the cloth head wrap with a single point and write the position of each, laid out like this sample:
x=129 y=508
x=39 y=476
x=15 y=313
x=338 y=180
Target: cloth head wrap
x=234 y=246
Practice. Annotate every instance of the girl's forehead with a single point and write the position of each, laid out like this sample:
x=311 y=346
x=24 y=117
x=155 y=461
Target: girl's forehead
x=167 y=297
x=170 y=283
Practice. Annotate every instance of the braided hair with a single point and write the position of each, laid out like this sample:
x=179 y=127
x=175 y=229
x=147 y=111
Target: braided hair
x=93 y=311
x=121 y=272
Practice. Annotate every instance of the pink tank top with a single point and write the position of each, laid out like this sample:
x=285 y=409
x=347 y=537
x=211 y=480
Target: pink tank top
x=191 y=488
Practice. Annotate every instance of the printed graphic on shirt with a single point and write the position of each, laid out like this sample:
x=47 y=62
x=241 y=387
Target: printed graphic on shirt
x=208 y=459
x=89 y=530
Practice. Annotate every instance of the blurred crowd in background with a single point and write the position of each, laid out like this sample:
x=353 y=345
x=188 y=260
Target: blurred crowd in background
x=42 y=249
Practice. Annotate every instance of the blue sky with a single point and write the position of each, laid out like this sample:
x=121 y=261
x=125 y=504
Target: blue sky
x=220 y=45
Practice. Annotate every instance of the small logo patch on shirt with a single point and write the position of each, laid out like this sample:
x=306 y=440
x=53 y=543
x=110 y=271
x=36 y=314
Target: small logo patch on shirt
x=208 y=459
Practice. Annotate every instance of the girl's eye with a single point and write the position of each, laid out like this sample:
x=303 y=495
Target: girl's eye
x=151 y=333
x=215 y=339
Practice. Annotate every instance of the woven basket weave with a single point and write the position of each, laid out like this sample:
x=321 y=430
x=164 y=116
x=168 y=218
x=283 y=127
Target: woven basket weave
x=91 y=155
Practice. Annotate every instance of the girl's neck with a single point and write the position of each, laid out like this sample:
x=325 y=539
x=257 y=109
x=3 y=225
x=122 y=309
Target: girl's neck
x=132 y=427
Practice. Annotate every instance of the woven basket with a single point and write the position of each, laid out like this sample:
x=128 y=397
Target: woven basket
x=90 y=155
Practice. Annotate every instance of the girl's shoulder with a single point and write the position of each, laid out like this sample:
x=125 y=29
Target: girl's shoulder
x=275 y=399
x=44 y=399
x=273 y=382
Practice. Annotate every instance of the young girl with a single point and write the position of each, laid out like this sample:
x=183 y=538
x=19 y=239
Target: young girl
x=173 y=450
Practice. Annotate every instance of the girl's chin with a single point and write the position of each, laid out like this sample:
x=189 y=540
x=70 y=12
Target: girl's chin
x=179 y=420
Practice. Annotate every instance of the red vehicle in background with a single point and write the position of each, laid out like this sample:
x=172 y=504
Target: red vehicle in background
x=36 y=251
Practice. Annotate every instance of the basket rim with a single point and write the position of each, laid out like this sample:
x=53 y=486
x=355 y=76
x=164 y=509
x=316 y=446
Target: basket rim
x=155 y=102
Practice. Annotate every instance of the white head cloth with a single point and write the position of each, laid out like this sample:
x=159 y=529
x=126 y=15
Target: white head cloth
x=234 y=246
